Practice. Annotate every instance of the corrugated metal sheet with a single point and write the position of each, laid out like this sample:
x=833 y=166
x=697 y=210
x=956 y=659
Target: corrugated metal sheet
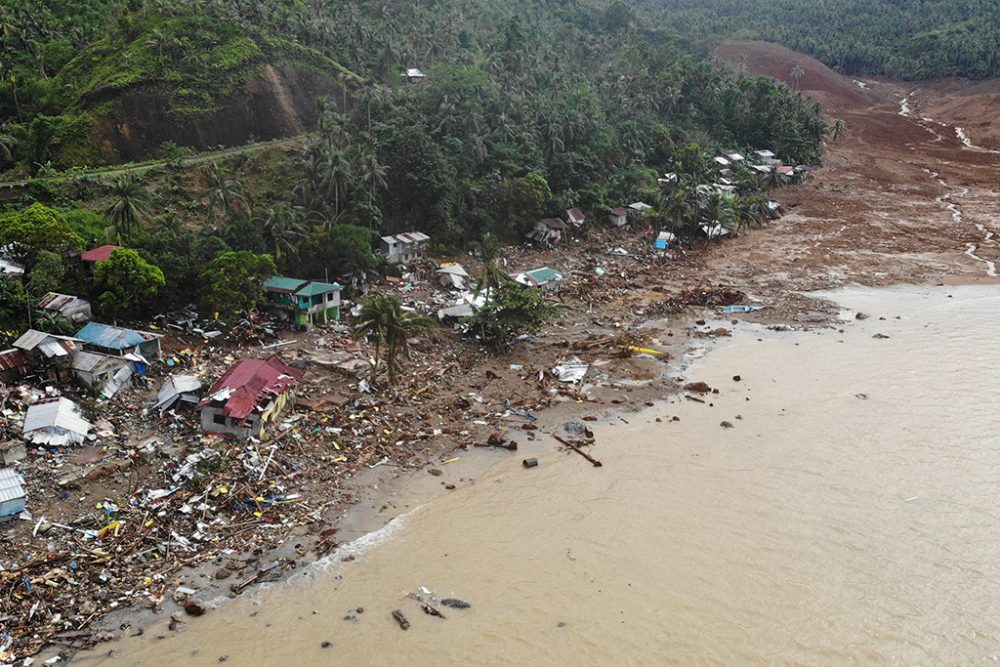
x=114 y=338
x=177 y=387
x=11 y=359
x=10 y=485
x=314 y=288
x=283 y=285
x=48 y=344
x=100 y=254
x=248 y=383
x=91 y=362
x=56 y=422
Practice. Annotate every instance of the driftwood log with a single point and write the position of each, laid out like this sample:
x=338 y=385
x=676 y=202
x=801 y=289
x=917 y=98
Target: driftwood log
x=595 y=462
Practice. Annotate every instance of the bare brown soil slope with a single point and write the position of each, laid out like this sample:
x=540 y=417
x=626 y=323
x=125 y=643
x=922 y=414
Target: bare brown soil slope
x=898 y=199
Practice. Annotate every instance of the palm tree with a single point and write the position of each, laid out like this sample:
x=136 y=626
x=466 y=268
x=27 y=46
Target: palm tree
x=222 y=191
x=8 y=142
x=492 y=277
x=282 y=227
x=797 y=73
x=837 y=129
x=128 y=206
x=384 y=323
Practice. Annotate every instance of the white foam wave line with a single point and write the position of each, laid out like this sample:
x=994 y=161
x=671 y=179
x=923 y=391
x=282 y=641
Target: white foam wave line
x=356 y=547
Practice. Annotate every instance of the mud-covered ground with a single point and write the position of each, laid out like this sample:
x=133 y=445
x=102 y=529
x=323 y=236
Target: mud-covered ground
x=907 y=195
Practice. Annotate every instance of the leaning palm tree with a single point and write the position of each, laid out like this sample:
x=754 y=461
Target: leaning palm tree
x=128 y=206
x=385 y=324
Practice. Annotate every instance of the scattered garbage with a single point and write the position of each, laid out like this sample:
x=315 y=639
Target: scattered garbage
x=530 y=463
x=571 y=370
x=732 y=310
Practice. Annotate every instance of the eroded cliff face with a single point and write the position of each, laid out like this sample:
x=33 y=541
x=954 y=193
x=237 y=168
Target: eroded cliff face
x=278 y=101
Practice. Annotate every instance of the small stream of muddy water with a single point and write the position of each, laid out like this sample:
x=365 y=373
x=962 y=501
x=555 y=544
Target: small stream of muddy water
x=850 y=516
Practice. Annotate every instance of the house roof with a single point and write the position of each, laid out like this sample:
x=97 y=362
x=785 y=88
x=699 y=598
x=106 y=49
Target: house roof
x=283 y=285
x=313 y=288
x=248 y=383
x=60 y=414
x=114 y=338
x=576 y=216
x=555 y=223
x=100 y=254
x=12 y=358
x=785 y=171
x=640 y=206
x=10 y=485
x=56 y=302
x=172 y=388
x=50 y=345
x=413 y=237
x=413 y=72
x=454 y=269
x=538 y=277
x=619 y=211
x=90 y=362
x=10 y=267
x=764 y=153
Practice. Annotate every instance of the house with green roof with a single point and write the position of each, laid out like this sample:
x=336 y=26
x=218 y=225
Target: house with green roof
x=544 y=277
x=306 y=302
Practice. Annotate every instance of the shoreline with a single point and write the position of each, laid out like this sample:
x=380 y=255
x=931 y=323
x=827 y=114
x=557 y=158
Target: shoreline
x=385 y=495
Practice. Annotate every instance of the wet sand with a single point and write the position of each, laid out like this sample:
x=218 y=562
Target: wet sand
x=847 y=517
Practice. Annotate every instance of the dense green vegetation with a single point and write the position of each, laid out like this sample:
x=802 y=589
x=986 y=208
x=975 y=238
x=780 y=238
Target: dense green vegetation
x=527 y=109
x=907 y=40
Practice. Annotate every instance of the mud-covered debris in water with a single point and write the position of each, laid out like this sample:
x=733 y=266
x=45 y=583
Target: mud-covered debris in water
x=400 y=618
x=455 y=603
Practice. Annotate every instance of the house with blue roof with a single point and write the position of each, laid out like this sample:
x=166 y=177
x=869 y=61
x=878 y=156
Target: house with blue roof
x=119 y=341
x=307 y=302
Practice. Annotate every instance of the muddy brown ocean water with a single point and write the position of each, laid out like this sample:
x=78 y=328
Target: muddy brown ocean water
x=849 y=517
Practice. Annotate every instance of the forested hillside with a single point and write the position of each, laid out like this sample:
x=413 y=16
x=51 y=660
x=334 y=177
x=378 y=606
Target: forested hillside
x=905 y=40
x=526 y=109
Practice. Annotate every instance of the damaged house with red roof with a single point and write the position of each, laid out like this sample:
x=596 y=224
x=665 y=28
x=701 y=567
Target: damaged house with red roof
x=249 y=396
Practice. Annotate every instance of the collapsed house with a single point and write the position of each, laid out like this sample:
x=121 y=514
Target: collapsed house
x=104 y=374
x=12 y=497
x=248 y=396
x=543 y=277
x=178 y=389
x=402 y=248
x=576 y=217
x=452 y=275
x=48 y=354
x=306 y=302
x=99 y=337
x=55 y=422
x=549 y=230
x=13 y=365
x=73 y=309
